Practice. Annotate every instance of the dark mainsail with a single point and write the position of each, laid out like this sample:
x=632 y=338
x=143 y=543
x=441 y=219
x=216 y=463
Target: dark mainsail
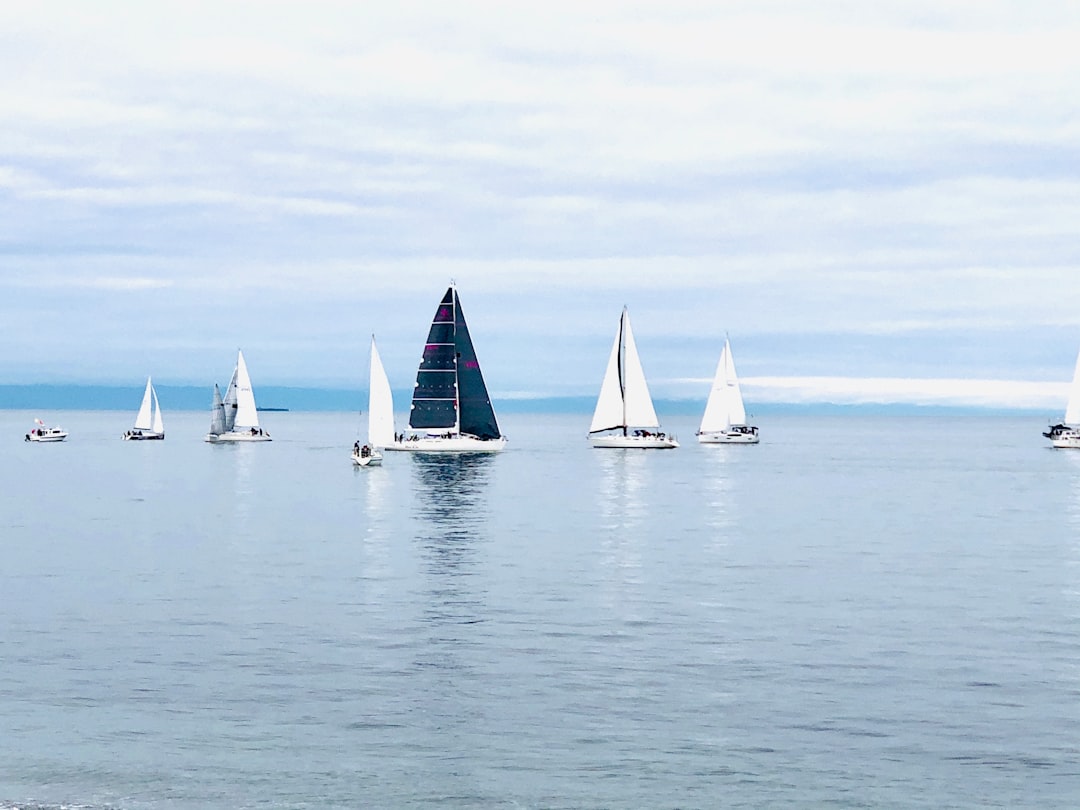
x=449 y=381
x=434 y=403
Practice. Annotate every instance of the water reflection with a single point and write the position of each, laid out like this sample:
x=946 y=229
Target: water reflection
x=451 y=509
x=624 y=503
x=1072 y=505
x=719 y=479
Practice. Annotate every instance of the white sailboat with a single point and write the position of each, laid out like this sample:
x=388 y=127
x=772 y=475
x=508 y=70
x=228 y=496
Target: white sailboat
x=380 y=428
x=44 y=434
x=624 y=400
x=1066 y=434
x=236 y=419
x=724 y=421
x=148 y=422
x=451 y=411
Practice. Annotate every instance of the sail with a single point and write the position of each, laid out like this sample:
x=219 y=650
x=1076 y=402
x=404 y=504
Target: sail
x=1072 y=410
x=159 y=422
x=725 y=406
x=476 y=416
x=380 y=403
x=639 y=407
x=143 y=418
x=247 y=416
x=217 y=413
x=609 y=405
x=229 y=404
x=434 y=403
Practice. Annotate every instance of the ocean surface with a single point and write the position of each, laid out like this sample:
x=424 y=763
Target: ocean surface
x=862 y=611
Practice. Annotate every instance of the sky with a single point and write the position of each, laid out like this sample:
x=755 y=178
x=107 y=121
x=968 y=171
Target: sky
x=858 y=194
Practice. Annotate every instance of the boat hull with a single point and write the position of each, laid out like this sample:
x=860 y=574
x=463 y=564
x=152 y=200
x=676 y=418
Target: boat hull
x=46 y=437
x=725 y=437
x=373 y=460
x=144 y=436
x=237 y=436
x=634 y=442
x=1064 y=437
x=454 y=444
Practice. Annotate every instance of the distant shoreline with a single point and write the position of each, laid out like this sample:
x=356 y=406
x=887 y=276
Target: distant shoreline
x=319 y=400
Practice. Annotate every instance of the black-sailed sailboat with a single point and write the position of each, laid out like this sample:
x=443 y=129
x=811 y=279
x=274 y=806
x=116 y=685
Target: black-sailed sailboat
x=451 y=411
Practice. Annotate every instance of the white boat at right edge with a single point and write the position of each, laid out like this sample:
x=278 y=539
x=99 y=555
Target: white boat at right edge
x=1066 y=435
x=724 y=421
x=624 y=400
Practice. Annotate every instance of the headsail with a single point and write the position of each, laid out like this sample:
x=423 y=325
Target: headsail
x=380 y=403
x=217 y=413
x=476 y=416
x=229 y=404
x=159 y=422
x=725 y=406
x=639 y=407
x=144 y=419
x=1072 y=410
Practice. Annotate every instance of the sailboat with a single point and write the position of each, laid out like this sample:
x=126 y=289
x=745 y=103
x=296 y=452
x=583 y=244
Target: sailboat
x=235 y=419
x=451 y=411
x=148 y=421
x=724 y=421
x=624 y=400
x=1067 y=434
x=380 y=428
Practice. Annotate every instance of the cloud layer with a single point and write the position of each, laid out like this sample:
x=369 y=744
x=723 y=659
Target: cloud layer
x=845 y=189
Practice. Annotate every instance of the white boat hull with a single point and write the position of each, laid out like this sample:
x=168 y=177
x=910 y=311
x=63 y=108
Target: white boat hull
x=372 y=460
x=634 y=442
x=454 y=444
x=1064 y=437
x=728 y=437
x=237 y=436
x=50 y=435
x=143 y=436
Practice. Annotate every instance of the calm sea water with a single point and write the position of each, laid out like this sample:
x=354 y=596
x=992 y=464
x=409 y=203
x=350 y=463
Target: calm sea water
x=859 y=612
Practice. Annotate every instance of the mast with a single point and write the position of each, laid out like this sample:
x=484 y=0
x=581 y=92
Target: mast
x=622 y=360
x=457 y=358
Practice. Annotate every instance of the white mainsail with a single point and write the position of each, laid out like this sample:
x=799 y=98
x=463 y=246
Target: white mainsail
x=247 y=416
x=624 y=394
x=609 y=405
x=1072 y=409
x=144 y=418
x=380 y=403
x=725 y=406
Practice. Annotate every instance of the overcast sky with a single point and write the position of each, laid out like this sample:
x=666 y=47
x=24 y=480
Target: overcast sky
x=847 y=189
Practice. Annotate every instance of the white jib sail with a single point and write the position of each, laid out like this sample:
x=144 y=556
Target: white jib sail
x=229 y=404
x=725 y=406
x=1072 y=410
x=143 y=418
x=217 y=413
x=247 y=416
x=380 y=403
x=609 y=405
x=159 y=422
x=639 y=407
